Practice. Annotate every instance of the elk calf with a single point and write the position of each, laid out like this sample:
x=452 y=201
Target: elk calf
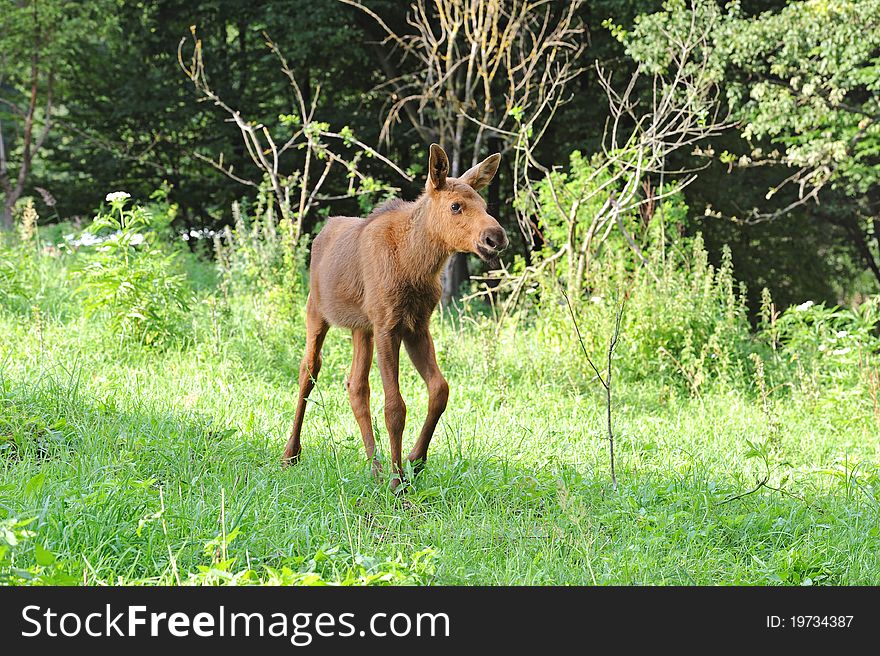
x=380 y=278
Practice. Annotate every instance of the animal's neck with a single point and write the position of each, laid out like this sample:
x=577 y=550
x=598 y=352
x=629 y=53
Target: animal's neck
x=425 y=255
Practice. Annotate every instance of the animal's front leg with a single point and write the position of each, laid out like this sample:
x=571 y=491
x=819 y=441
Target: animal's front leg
x=388 y=356
x=420 y=347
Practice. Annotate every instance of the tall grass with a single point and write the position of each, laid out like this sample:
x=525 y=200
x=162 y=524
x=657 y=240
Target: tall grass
x=135 y=462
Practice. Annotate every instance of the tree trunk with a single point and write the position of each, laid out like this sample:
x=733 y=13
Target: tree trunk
x=7 y=212
x=454 y=276
x=864 y=249
x=493 y=202
x=6 y=187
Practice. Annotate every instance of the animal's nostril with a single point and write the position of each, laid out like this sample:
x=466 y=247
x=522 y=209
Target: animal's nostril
x=489 y=242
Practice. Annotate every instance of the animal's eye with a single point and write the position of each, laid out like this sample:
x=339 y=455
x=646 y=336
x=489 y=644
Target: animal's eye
x=456 y=208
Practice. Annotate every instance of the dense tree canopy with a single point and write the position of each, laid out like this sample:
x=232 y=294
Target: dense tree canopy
x=803 y=82
x=38 y=66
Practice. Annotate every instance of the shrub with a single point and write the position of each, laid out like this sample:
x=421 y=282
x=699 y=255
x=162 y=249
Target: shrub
x=832 y=345
x=685 y=320
x=692 y=322
x=32 y=272
x=16 y=252
x=132 y=279
x=255 y=254
x=567 y=205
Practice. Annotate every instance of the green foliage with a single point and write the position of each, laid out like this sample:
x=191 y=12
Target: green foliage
x=14 y=286
x=132 y=279
x=815 y=78
x=250 y=255
x=53 y=26
x=258 y=253
x=17 y=255
x=30 y=269
x=822 y=345
x=44 y=570
x=805 y=77
x=579 y=180
x=802 y=82
x=692 y=323
x=38 y=41
x=568 y=204
x=327 y=566
x=687 y=321
x=654 y=37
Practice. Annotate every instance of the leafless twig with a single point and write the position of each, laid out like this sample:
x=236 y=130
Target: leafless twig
x=607 y=379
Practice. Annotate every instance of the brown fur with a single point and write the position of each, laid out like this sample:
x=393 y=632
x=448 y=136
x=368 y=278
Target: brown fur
x=380 y=277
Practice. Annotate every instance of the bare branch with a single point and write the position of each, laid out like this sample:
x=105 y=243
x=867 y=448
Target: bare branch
x=682 y=110
x=308 y=135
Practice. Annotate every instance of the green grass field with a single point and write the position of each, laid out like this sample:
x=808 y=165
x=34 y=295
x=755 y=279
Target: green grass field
x=141 y=465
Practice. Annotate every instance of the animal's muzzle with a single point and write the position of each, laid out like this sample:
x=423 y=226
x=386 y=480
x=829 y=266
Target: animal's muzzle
x=493 y=240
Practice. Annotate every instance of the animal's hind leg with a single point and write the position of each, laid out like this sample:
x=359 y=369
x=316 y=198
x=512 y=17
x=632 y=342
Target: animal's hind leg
x=316 y=330
x=388 y=355
x=358 y=385
x=420 y=347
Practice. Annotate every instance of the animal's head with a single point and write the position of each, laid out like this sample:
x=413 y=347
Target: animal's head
x=456 y=212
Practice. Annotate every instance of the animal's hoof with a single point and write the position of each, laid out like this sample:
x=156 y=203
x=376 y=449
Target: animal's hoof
x=399 y=485
x=417 y=463
x=289 y=459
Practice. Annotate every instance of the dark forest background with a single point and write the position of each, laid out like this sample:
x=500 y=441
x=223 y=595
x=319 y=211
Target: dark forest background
x=124 y=117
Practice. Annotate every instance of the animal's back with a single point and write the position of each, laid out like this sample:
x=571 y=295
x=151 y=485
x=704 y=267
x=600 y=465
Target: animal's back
x=336 y=278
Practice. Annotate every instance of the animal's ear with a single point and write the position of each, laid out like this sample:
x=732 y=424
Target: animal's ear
x=481 y=175
x=438 y=167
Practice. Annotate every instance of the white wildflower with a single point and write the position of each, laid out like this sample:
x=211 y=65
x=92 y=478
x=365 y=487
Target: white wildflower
x=841 y=351
x=117 y=195
x=804 y=306
x=841 y=334
x=85 y=239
